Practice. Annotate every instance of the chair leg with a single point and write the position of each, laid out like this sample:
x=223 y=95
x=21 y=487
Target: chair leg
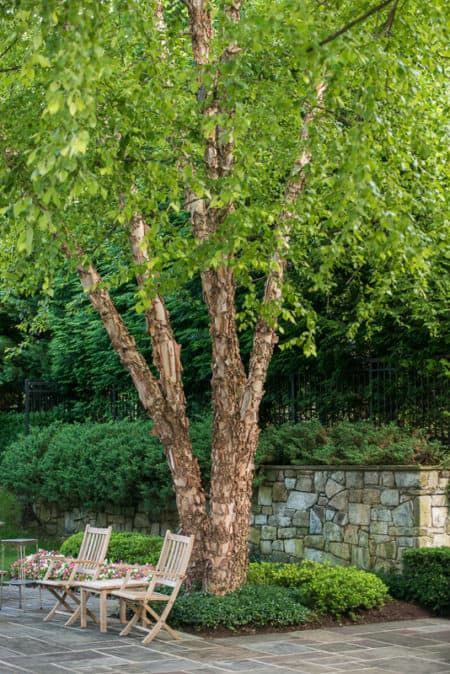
x=83 y=601
x=127 y=629
x=159 y=624
x=140 y=615
x=123 y=611
x=73 y=618
x=73 y=611
x=76 y=613
x=61 y=601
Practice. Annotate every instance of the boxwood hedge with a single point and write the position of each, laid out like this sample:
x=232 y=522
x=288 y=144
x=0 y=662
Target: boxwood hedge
x=427 y=572
x=124 y=546
x=251 y=605
x=335 y=590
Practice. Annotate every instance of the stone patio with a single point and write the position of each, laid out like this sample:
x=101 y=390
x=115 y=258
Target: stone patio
x=29 y=645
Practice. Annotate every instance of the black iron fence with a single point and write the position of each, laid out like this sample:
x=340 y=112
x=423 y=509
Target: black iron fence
x=370 y=390
x=41 y=396
x=60 y=403
x=375 y=391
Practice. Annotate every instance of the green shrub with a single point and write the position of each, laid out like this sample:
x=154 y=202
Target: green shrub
x=21 y=467
x=251 y=605
x=93 y=465
x=12 y=424
x=397 y=584
x=291 y=443
x=346 y=443
x=124 y=546
x=364 y=443
x=96 y=464
x=427 y=571
x=335 y=590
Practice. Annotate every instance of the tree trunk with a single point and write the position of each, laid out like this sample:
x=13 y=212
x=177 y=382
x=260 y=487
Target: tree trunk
x=190 y=500
x=230 y=508
x=227 y=547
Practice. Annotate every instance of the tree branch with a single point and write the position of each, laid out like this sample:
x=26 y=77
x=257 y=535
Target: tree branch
x=160 y=20
x=10 y=69
x=10 y=46
x=265 y=336
x=234 y=10
x=387 y=26
x=201 y=29
x=122 y=341
x=166 y=351
x=169 y=425
x=355 y=22
x=218 y=284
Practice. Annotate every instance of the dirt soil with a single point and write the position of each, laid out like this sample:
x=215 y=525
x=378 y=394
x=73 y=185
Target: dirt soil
x=393 y=610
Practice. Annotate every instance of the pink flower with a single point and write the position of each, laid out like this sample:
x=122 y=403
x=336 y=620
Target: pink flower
x=35 y=566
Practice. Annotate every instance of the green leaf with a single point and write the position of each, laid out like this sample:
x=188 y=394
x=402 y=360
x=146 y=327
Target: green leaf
x=79 y=143
x=54 y=104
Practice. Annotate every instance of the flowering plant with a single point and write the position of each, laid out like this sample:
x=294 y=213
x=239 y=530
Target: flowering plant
x=35 y=566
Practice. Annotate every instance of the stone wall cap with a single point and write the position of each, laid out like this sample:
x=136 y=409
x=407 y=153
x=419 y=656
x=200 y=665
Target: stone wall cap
x=338 y=466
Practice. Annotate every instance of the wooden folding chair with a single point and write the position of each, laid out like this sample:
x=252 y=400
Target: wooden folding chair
x=90 y=558
x=170 y=572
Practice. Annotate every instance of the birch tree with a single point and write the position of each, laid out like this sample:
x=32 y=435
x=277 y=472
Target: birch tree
x=244 y=143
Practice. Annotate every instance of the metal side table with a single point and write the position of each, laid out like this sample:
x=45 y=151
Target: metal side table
x=20 y=544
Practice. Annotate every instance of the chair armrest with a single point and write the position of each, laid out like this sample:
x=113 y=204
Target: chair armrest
x=168 y=579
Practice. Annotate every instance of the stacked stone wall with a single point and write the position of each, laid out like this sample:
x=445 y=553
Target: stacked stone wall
x=359 y=515
x=365 y=516
x=61 y=522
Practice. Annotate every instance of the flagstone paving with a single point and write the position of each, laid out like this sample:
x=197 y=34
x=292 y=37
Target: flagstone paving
x=27 y=644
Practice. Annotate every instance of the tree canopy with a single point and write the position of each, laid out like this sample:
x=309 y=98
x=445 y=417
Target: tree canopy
x=101 y=118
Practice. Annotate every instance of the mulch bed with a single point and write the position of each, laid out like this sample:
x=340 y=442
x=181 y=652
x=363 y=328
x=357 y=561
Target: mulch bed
x=393 y=610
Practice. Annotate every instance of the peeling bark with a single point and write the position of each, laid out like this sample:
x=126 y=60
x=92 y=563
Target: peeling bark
x=201 y=29
x=234 y=10
x=166 y=350
x=232 y=447
x=228 y=380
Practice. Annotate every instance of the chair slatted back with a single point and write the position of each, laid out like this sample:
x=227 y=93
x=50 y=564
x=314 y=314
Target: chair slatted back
x=93 y=549
x=174 y=558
